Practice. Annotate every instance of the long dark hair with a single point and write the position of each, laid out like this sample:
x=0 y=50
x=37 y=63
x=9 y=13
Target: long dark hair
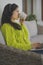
x=6 y=16
x=7 y=13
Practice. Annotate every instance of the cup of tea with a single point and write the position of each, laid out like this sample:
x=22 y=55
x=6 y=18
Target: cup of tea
x=22 y=16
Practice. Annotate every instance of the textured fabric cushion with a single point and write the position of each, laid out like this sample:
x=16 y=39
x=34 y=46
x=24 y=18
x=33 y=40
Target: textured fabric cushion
x=42 y=58
x=11 y=56
x=37 y=38
x=32 y=27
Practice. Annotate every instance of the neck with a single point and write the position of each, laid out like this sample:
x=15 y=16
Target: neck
x=13 y=20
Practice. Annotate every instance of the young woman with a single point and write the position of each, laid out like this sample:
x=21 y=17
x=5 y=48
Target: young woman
x=15 y=34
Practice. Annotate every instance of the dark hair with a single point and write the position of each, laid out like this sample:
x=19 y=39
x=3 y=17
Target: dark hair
x=6 y=16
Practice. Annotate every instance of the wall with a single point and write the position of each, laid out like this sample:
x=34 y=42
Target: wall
x=4 y=2
x=37 y=9
x=29 y=6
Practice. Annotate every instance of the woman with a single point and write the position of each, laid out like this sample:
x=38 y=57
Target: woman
x=15 y=34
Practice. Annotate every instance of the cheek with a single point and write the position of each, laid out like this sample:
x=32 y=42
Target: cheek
x=13 y=16
x=16 y=14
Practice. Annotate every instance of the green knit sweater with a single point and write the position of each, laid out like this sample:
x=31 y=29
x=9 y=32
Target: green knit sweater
x=16 y=38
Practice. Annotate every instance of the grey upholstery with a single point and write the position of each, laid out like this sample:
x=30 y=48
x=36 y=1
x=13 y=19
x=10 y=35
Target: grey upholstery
x=38 y=38
x=40 y=29
x=1 y=38
x=12 y=56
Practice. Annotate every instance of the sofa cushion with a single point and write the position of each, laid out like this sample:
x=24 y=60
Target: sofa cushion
x=40 y=29
x=37 y=39
x=1 y=38
x=13 y=56
x=32 y=27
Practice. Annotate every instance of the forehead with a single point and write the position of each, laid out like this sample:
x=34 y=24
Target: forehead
x=17 y=9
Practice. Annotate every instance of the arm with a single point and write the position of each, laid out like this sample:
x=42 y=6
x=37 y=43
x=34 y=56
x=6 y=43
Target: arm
x=26 y=36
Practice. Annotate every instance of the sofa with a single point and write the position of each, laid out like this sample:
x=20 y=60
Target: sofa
x=35 y=30
x=13 y=56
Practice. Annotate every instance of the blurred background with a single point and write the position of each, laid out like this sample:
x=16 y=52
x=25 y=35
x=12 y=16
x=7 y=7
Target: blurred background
x=28 y=6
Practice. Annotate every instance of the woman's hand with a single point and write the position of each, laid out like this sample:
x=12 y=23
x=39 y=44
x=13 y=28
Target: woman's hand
x=22 y=21
x=22 y=17
x=36 y=45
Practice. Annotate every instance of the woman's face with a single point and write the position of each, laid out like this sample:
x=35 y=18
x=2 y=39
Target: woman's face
x=15 y=14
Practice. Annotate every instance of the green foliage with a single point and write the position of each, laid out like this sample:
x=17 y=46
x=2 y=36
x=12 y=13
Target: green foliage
x=31 y=17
